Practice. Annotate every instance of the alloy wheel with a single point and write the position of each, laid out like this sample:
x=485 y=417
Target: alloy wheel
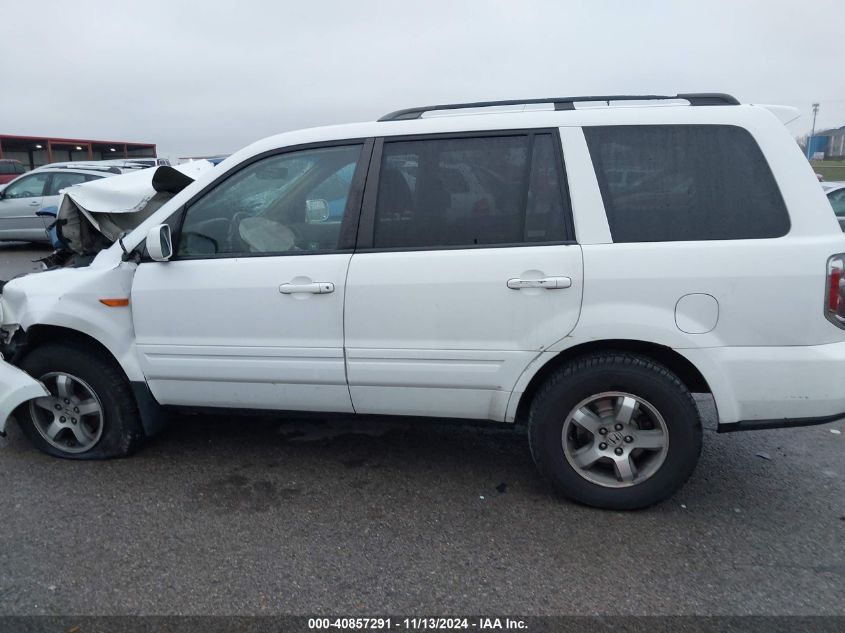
x=71 y=417
x=615 y=439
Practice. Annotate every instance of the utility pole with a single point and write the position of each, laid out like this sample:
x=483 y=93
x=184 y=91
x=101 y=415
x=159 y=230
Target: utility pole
x=813 y=133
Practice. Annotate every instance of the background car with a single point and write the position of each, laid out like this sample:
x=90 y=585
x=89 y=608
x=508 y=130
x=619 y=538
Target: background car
x=119 y=163
x=10 y=169
x=22 y=199
x=835 y=192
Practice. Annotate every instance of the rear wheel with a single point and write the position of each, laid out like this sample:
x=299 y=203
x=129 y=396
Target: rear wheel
x=90 y=413
x=615 y=430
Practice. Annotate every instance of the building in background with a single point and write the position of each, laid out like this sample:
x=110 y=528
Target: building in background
x=835 y=148
x=35 y=151
x=829 y=143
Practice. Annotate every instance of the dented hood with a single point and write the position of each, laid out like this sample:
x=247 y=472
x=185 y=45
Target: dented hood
x=93 y=215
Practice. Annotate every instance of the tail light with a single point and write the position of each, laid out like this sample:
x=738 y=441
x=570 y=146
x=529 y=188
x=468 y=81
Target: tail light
x=834 y=302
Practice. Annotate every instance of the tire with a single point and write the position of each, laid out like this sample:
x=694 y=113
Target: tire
x=106 y=423
x=640 y=413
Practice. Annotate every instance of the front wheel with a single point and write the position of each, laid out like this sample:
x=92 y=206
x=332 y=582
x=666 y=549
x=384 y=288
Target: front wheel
x=90 y=413
x=615 y=430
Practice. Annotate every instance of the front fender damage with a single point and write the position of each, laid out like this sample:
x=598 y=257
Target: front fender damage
x=16 y=387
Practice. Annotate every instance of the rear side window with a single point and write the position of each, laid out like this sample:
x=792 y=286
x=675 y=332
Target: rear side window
x=667 y=183
x=7 y=167
x=464 y=192
x=63 y=180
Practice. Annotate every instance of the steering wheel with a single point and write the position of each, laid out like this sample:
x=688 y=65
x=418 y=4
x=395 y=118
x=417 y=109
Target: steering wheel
x=199 y=236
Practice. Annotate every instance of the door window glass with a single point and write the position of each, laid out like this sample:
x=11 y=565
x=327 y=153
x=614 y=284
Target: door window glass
x=27 y=187
x=291 y=202
x=62 y=180
x=463 y=192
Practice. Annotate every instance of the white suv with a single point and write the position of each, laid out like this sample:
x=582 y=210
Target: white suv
x=580 y=270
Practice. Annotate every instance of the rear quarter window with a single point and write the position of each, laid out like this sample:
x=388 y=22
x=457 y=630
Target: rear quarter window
x=669 y=183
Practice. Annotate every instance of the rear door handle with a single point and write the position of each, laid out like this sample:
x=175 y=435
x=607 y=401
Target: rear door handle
x=549 y=283
x=315 y=288
x=35 y=203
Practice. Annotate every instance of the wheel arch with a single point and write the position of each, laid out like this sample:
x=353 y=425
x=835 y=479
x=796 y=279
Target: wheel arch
x=686 y=371
x=152 y=413
x=40 y=334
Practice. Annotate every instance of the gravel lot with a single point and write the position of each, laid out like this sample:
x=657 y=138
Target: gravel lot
x=228 y=515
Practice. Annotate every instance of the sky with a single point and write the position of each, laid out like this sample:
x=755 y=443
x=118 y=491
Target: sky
x=208 y=77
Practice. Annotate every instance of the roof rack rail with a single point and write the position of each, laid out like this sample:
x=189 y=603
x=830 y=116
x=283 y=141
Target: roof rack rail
x=565 y=103
x=86 y=167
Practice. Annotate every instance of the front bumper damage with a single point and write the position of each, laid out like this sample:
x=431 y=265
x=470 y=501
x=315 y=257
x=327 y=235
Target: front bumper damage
x=16 y=387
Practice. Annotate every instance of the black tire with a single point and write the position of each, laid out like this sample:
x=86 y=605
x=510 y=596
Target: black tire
x=620 y=372
x=122 y=432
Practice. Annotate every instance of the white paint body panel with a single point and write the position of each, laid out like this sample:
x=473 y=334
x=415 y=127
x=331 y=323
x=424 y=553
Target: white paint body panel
x=440 y=333
x=218 y=332
x=774 y=383
x=70 y=298
x=16 y=387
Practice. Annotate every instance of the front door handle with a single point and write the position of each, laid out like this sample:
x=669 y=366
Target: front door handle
x=549 y=283
x=315 y=288
x=35 y=203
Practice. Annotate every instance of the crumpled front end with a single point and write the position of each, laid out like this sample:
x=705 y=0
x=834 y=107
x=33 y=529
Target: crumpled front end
x=92 y=216
x=16 y=387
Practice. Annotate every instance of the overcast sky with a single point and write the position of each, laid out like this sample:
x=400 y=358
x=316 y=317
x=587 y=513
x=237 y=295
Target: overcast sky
x=210 y=76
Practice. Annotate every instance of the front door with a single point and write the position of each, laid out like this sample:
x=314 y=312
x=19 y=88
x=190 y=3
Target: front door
x=466 y=270
x=249 y=312
x=20 y=202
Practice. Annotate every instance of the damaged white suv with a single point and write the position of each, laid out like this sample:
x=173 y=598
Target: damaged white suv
x=580 y=269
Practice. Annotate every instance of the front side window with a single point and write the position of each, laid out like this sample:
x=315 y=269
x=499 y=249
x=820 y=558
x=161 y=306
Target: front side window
x=289 y=203
x=7 y=167
x=27 y=187
x=665 y=183
x=63 y=180
x=465 y=192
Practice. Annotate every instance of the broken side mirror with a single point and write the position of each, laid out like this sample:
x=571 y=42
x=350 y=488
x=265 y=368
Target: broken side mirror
x=159 y=243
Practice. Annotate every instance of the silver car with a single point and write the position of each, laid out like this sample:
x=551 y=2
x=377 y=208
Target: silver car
x=22 y=199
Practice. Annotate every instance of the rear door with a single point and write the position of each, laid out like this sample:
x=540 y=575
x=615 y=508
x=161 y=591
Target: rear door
x=466 y=269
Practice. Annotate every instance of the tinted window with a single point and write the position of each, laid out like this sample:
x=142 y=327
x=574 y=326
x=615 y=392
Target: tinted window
x=287 y=203
x=27 y=186
x=61 y=181
x=7 y=167
x=469 y=192
x=685 y=182
x=837 y=201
